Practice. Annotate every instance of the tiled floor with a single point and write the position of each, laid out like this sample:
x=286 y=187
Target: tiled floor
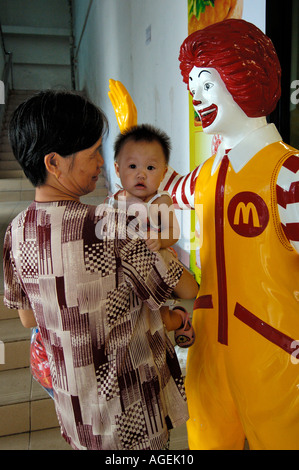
x=25 y=408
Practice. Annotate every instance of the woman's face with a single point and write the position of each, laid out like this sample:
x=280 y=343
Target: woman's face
x=213 y=103
x=80 y=172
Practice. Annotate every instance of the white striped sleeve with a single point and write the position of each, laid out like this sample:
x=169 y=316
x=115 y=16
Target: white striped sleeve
x=180 y=188
x=287 y=190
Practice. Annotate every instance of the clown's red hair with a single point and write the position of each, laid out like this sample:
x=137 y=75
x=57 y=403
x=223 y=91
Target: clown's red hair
x=245 y=59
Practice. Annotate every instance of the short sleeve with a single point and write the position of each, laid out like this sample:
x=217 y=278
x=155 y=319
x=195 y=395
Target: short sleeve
x=181 y=188
x=14 y=295
x=287 y=192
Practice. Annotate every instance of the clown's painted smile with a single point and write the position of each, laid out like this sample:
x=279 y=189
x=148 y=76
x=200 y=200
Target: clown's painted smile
x=208 y=115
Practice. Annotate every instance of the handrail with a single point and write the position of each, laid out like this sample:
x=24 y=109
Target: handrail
x=8 y=63
x=75 y=48
x=2 y=40
x=8 y=69
x=83 y=29
x=72 y=45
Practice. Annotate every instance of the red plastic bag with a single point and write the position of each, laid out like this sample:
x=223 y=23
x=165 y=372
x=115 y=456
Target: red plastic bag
x=40 y=368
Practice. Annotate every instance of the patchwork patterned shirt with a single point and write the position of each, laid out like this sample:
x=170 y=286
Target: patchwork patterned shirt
x=95 y=290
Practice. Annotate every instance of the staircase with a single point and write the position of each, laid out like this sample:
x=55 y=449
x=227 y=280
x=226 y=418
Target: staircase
x=25 y=408
x=38 y=34
x=26 y=411
x=14 y=186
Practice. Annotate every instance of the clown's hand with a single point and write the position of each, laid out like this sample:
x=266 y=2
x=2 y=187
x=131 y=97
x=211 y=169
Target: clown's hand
x=124 y=107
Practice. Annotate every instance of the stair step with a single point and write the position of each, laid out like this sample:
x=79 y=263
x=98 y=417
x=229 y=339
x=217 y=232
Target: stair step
x=9 y=165
x=20 y=395
x=15 y=342
x=25 y=93
x=44 y=439
x=13 y=196
x=12 y=330
x=24 y=399
x=16 y=355
x=15 y=386
x=17 y=97
x=6 y=313
x=11 y=174
x=14 y=186
x=28 y=416
x=4 y=138
x=4 y=156
x=5 y=146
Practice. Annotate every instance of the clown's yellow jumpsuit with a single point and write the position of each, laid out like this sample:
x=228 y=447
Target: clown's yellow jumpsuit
x=242 y=372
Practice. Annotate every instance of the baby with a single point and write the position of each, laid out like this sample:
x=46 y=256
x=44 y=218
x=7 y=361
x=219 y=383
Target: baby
x=141 y=159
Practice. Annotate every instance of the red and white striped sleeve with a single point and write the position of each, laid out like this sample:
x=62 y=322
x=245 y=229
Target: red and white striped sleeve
x=287 y=190
x=180 y=188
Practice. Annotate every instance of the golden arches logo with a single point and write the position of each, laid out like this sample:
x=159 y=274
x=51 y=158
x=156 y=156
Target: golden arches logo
x=248 y=214
x=245 y=210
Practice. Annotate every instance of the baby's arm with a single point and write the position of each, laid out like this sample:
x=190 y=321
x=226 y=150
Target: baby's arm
x=162 y=213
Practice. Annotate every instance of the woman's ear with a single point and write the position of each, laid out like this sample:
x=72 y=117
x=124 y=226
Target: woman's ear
x=51 y=161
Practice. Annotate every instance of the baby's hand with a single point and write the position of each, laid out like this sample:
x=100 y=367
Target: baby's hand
x=153 y=244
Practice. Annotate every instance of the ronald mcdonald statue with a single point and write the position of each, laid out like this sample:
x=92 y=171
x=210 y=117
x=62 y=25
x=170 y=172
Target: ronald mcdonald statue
x=243 y=370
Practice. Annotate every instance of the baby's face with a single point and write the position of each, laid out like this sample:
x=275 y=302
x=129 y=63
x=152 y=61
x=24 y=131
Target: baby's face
x=141 y=167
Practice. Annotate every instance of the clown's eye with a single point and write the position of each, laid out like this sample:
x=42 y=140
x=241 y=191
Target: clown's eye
x=207 y=86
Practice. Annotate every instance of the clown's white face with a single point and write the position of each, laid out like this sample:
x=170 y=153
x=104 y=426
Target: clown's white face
x=218 y=111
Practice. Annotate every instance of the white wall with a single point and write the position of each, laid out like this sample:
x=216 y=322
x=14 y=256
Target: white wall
x=160 y=94
x=254 y=11
x=114 y=46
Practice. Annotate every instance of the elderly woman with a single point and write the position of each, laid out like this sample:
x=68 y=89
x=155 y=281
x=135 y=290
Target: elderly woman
x=94 y=295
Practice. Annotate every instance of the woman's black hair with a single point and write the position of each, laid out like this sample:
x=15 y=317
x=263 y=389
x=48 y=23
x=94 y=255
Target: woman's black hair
x=53 y=121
